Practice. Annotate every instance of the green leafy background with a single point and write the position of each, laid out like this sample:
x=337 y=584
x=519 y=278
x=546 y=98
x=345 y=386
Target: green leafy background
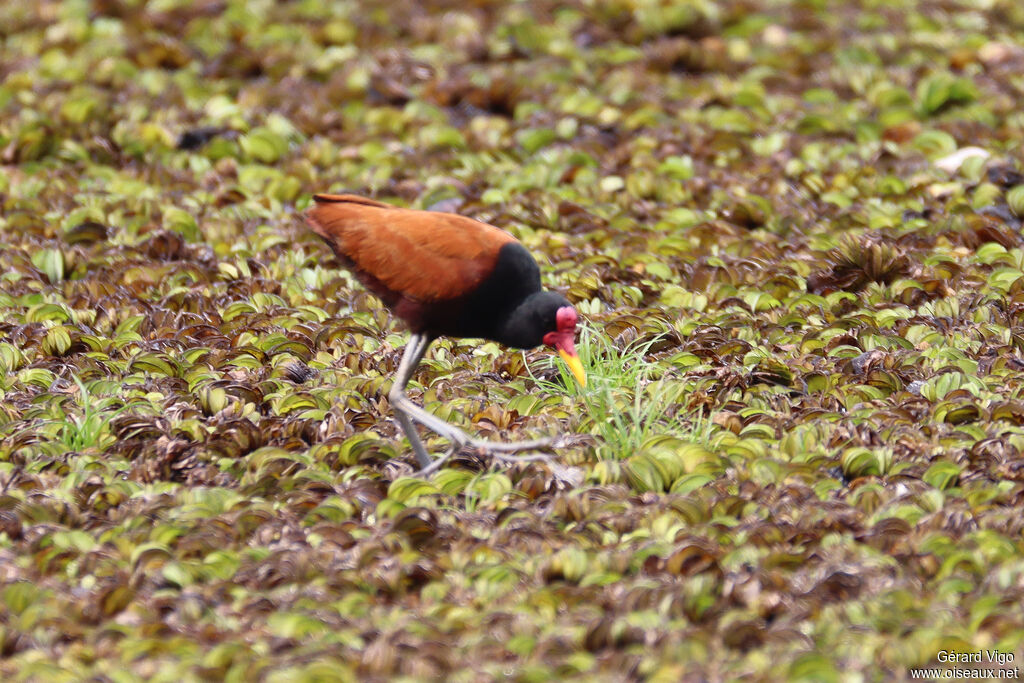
x=793 y=230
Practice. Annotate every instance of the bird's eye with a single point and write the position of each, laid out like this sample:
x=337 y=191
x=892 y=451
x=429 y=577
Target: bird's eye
x=550 y=338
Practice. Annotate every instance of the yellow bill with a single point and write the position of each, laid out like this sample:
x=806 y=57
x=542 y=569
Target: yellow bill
x=575 y=366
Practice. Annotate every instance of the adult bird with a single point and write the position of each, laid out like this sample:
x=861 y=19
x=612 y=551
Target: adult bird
x=445 y=274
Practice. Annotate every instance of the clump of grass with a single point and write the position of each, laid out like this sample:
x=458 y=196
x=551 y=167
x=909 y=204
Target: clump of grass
x=91 y=427
x=627 y=402
x=85 y=423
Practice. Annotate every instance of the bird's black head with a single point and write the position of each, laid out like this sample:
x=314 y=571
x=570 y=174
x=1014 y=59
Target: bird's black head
x=549 y=318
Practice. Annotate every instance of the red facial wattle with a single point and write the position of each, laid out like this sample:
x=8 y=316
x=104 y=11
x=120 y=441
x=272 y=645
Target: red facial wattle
x=563 y=339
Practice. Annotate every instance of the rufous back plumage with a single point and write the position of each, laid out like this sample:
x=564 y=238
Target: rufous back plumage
x=423 y=255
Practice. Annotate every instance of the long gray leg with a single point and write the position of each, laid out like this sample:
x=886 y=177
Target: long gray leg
x=414 y=352
x=407 y=412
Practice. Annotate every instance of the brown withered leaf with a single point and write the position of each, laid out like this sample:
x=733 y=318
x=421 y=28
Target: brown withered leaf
x=856 y=262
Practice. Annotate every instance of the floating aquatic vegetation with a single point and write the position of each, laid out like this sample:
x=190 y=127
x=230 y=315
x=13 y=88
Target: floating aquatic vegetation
x=793 y=230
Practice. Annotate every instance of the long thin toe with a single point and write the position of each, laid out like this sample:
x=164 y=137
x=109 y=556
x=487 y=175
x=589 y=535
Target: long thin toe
x=512 y=446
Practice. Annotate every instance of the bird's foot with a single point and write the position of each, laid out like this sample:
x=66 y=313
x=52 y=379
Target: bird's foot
x=484 y=449
x=461 y=440
x=511 y=446
x=495 y=451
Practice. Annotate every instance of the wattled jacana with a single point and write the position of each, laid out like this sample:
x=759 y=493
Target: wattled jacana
x=445 y=274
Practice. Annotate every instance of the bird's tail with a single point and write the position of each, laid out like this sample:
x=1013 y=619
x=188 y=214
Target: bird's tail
x=349 y=199
x=332 y=215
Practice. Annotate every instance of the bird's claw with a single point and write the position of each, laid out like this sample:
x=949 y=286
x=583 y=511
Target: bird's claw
x=486 y=453
x=460 y=440
x=510 y=446
x=496 y=451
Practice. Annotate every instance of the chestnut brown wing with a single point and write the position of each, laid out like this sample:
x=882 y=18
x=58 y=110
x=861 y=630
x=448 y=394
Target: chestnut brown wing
x=422 y=255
